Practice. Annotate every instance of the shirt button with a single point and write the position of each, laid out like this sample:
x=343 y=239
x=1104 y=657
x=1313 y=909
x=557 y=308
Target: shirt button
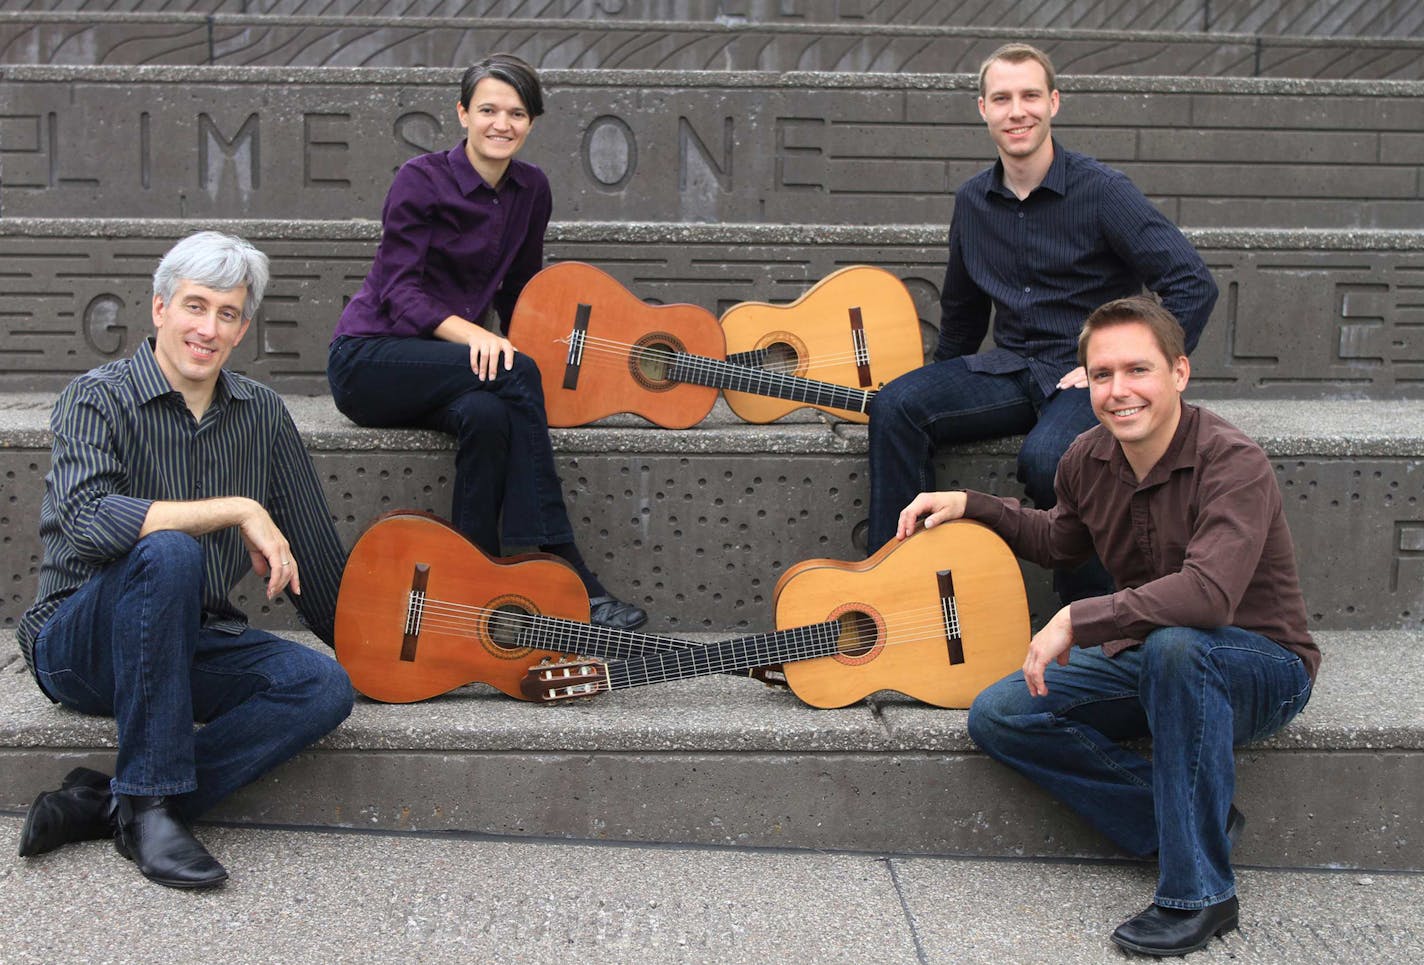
x=1027 y=289
x=1021 y=214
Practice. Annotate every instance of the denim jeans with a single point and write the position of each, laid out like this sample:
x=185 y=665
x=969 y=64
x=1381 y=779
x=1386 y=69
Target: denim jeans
x=1197 y=694
x=504 y=460
x=130 y=644
x=945 y=403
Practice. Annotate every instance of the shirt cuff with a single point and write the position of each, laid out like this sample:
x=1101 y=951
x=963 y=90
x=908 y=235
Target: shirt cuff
x=1094 y=620
x=117 y=524
x=987 y=509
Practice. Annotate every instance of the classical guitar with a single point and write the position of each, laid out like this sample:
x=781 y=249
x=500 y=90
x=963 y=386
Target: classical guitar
x=422 y=611
x=937 y=617
x=857 y=327
x=601 y=350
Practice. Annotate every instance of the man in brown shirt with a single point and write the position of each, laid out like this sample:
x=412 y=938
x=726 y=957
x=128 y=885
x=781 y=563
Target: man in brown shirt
x=1203 y=647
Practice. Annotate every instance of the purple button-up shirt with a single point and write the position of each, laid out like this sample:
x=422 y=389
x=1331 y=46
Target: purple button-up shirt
x=450 y=245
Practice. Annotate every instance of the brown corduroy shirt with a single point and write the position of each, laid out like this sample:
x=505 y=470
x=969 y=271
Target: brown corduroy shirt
x=1202 y=541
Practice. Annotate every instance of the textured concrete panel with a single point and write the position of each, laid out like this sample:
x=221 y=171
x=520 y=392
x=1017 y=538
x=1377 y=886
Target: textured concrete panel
x=697 y=525
x=793 y=148
x=1371 y=18
x=723 y=44
x=1301 y=314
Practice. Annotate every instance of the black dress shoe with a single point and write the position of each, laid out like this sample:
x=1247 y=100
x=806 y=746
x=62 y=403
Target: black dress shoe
x=78 y=811
x=608 y=611
x=152 y=835
x=1172 y=931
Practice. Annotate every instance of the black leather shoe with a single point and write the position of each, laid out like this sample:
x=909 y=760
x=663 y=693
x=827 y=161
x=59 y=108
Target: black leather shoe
x=78 y=811
x=152 y=835
x=1171 y=931
x=608 y=611
x=1235 y=824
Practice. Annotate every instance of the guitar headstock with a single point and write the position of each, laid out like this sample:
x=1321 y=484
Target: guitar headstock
x=546 y=682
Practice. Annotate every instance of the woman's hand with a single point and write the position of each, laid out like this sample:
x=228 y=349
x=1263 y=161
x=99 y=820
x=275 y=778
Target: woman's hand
x=486 y=349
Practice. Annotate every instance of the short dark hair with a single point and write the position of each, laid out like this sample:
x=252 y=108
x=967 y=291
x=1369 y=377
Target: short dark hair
x=1017 y=54
x=1139 y=308
x=514 y=72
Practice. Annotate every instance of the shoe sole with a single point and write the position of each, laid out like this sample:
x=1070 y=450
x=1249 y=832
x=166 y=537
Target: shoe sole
x=28 y=829
x=1231 y=925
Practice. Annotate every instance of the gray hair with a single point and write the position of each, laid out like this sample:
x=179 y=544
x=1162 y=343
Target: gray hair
x=217 y=261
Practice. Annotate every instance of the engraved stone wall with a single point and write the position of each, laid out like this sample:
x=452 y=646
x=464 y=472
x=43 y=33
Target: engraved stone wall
x=1377 y=18
x=722 y=45
x=1301 y=315
x=674 y=146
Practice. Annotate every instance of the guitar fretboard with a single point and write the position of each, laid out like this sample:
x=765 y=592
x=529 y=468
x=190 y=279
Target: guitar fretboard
x=737 y=376
x=728 y=656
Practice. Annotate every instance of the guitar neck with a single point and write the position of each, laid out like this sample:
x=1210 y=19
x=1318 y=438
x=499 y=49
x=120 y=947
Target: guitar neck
x=589 y=640
x=739 y=374
x=727 y=656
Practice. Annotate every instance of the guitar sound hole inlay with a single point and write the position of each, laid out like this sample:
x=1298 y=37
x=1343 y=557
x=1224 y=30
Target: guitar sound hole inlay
x=652 y=360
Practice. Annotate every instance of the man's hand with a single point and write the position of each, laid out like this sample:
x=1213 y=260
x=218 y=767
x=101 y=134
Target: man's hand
x=935 y=507
x=271 y=553
x=1076 y=379
x=486 y=349
x=1053 y=642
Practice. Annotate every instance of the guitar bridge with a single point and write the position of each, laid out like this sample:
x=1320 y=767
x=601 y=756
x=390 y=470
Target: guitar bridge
x=949 y=612
x=573 y=362
x=415 y=611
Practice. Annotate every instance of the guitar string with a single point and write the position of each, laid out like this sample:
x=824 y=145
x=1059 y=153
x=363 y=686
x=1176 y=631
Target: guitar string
x=737 y=377
x=615 y=347
x=924 y=624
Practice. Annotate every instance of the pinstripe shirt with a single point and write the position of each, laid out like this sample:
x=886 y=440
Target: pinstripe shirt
x=1083 y=237
x=124 y=438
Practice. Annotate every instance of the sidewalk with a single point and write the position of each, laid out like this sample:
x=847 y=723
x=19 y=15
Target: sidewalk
x=328 y=896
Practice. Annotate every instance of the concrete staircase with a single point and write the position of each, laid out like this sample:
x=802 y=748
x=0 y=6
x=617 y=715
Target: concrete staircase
x=717 y=153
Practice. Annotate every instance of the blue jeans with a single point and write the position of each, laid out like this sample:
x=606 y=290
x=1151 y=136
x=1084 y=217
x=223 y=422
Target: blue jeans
x=130 y=644
x=945 y=403
x=1197 y=694
x=504 y=461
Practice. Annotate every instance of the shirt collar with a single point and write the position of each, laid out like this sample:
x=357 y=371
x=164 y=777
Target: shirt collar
x=469 y=180
x=1056 y=180
x=150 y=383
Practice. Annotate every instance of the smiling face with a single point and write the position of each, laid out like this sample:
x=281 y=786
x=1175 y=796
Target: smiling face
x=1019 y=108
x=496 y=124
x=1136 y=390
x=196 y=332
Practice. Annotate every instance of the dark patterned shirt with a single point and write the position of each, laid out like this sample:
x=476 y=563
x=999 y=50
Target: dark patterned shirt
x=1201 y=541
x=124 y=438
x=1083 y=237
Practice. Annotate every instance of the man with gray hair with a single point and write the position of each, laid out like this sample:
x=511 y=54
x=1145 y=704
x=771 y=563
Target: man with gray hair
x=170 y=478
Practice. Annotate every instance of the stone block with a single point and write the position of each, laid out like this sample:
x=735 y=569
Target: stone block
x=675 y=146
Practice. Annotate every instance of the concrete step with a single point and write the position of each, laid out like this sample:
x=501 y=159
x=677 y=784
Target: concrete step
x=796 y=147
x=1338 y=18
x=723 y=44
x=720 y=761
x=1303 y=314
x=313 y=896
x=698 y=524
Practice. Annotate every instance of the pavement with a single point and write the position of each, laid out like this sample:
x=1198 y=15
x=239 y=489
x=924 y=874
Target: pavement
x=302 y=895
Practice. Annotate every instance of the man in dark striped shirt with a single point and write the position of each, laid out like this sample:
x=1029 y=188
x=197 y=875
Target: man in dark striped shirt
x=1040 y=239
x=170 y=479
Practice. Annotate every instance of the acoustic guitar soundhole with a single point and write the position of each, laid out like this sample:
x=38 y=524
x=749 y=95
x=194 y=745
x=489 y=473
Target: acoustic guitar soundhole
x=859 y=634
x=652 y=359
x=504 y=625
x=781 y=358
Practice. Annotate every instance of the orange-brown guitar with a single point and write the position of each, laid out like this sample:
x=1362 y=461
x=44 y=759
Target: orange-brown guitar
x=601 y=350
x=857 y=327
x=937 y=617
x=422 y=611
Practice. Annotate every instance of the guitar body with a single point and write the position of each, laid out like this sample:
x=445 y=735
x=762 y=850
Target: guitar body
x=458 y=638
x=891 y=609
x=814 y=338
x=619 y=369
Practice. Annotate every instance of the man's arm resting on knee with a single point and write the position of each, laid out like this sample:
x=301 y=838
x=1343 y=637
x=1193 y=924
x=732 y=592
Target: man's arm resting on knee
x=268 y=548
